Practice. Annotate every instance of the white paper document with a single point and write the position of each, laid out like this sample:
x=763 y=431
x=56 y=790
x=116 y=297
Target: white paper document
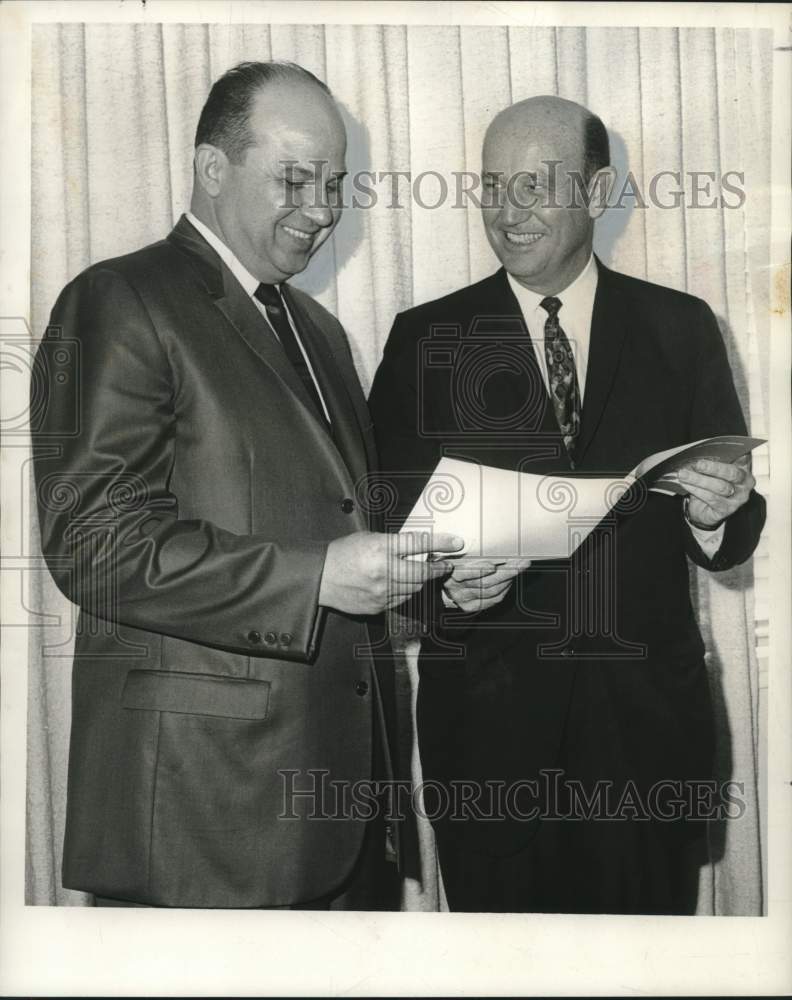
x=500 y=512
x=503 y=513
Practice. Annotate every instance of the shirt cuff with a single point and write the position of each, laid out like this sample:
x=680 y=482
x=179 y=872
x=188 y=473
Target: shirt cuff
x=708 y=541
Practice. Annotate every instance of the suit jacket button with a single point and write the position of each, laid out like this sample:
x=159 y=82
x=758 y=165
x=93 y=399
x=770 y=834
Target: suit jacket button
x=361 y=688
x=254 y=636
x=347 y=505
x=285 y=638
x=270 y=638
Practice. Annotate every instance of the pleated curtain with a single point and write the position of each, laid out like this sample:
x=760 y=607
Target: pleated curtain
x=113 y=118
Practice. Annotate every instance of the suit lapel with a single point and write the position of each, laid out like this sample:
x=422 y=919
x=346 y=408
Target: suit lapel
x=239 y=309
x=345 y=425
x=608 y=330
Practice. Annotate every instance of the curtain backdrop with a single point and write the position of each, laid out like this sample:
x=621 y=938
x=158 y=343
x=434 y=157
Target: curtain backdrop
x=114 y=114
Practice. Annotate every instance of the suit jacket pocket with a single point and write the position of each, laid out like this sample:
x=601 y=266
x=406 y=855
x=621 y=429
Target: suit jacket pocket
x=196 y=694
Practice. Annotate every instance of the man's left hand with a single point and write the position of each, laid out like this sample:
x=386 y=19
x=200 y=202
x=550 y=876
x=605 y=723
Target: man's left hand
x=717 y=489
x=477 y=584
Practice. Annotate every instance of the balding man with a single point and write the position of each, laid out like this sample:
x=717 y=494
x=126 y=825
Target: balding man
x=564 y=716
x=203 y=514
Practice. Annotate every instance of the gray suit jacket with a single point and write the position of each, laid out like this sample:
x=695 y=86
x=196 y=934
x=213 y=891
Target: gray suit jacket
x=187 y=493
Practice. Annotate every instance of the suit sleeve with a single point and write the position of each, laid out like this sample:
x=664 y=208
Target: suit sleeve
x=407 y=453
x=407 y=457
x=110 y=525
x=716 y=410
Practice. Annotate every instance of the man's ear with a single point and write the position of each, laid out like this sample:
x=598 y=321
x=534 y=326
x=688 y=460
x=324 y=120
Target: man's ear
x=599 y=189
x=211 y=166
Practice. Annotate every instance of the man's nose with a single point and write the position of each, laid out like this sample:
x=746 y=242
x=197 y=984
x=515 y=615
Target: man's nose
x=318 y=211
x=518 y=203
x=515 y=209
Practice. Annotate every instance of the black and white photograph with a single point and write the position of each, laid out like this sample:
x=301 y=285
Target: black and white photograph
x=396 y=487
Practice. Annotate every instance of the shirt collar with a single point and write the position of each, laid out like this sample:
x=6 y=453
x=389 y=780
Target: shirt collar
x=576 y=299
x=228 y=257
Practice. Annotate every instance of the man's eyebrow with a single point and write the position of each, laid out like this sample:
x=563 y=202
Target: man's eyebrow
x=303 y=173
x=292 y=170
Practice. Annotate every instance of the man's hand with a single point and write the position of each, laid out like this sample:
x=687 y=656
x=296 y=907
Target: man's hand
x=717 y=489
x=477 y=584
x=365 y=573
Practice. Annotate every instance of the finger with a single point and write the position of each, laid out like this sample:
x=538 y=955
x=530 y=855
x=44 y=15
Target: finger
x=459 y=591
x=407 y=573
x=503 y=574
x=517 y=563
x=747 y=482
x=488 y=592
x=408 y=543
x=461 y=594
x=717 y=503
x=465 y=572
x=496 y=581
x=714 y=484
x=477 y=590
x=475 y=561
x=463 y=599
x=477 y=605
x=721 y=470
x=512 y=567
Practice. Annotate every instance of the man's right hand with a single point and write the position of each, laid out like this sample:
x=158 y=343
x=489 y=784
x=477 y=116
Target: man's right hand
x=366 y=572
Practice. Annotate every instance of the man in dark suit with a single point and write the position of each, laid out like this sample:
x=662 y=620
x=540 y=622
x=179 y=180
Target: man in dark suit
x=202 y=438
x=564 y=715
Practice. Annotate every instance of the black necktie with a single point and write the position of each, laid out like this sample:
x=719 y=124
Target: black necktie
x=561 y=375
x=270 y=297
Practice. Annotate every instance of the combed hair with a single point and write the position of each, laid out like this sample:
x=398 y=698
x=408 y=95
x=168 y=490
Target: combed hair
x=225 y=117
x=596 y=146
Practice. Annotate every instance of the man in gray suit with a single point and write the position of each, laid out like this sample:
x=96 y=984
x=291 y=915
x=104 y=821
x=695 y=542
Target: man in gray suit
x=205 y=518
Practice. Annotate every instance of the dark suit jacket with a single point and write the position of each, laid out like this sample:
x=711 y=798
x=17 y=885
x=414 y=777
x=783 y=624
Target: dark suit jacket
x=614 y=623
x=187 y=493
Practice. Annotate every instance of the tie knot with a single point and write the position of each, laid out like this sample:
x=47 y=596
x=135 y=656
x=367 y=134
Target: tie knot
x=551 y=304
x=268 y=296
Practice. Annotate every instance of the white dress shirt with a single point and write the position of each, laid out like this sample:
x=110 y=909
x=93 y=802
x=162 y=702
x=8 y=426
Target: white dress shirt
x=574 y=316
x=250 y=284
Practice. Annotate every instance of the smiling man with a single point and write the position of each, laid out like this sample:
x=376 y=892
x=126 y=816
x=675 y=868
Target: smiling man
x=224 y=702
x=564 y=714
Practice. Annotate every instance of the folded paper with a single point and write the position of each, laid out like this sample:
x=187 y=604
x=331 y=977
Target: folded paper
x=503 y=513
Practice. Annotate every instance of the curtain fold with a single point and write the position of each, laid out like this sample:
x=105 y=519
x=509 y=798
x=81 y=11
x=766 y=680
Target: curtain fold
x=114 y=115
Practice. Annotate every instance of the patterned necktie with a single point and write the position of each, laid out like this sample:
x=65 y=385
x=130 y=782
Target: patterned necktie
x=270 y=297
x=561 y=375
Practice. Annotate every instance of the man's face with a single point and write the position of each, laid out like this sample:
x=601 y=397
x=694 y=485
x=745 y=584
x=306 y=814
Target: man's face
x=538 y=224
x=277 y=207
